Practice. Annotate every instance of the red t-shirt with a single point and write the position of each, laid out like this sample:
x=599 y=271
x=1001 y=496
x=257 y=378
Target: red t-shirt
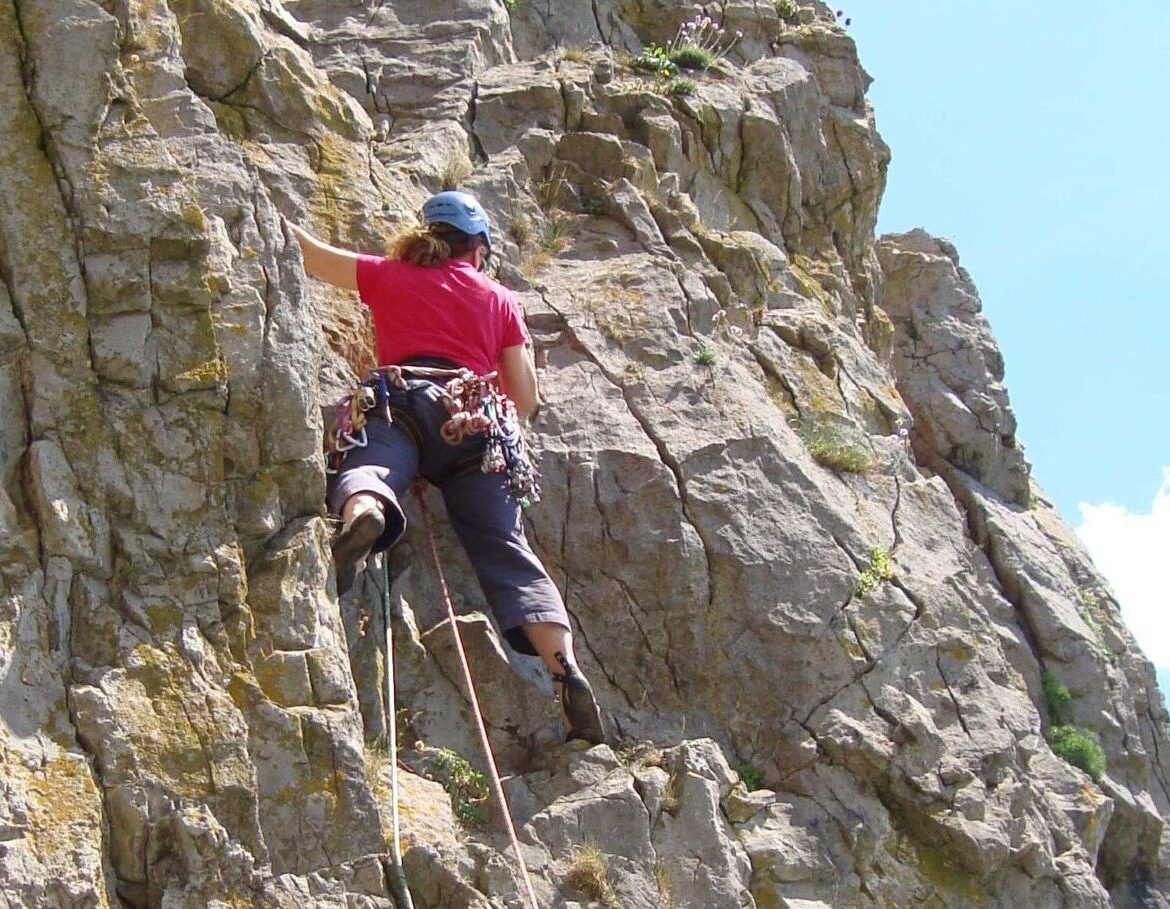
x=449 y=310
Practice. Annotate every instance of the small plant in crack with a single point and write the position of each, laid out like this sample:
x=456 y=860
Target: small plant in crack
x=377 y=761
x=551 y=239
x=456 y=168
x=750 y=776
x=831 y=448
x=592 y=205
x=665 y=890
x=1073 y=744
x=706 y=356
x=634 y=372
x=467 y=787
x=1057 y=698
x=878 y=571
x=520 y=229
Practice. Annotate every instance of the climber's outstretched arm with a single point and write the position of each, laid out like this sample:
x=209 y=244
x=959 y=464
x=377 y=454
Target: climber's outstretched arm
x=518 y=376
x=336 y=266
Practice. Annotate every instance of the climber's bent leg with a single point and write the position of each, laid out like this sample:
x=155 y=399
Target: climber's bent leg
x=366 y=492
x=487 y=520
x=526 y=602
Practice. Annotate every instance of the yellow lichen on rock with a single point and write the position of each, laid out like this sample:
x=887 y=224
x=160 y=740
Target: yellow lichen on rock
x=64 y=817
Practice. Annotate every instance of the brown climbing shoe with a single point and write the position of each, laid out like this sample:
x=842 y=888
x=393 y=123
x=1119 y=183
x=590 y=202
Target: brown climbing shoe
x=582 y=714
x=353 y=545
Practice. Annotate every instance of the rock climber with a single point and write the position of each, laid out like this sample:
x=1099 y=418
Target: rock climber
x=434 y=312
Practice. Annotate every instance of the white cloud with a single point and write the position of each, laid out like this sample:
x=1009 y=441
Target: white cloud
x=1132 y=550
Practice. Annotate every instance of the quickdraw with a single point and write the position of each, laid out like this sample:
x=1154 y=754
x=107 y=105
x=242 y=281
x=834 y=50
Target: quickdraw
x=476 y=406
x=349 y=426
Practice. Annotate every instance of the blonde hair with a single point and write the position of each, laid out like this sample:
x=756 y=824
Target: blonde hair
x=430 y=244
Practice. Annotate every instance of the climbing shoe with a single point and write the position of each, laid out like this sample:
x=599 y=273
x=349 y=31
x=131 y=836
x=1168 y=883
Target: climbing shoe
x=582 y=714
x=353 y=545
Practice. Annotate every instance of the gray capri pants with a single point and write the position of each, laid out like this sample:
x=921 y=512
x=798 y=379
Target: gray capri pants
x=482 y=510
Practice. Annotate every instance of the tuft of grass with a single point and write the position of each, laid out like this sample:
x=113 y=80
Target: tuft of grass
x=552 y=239
x=589 y=874
x=879 y=570
x=750 y=776
x=576 y=53
x=680 y=87
x=377 y=759
x=1079 y=747
x=692 y=58
x=640 y=754
x=665 y=891
x=456 y=169
x=548 y=190
x=467 y=787
x=520 y=229
x=706 y=356
x=831 y=449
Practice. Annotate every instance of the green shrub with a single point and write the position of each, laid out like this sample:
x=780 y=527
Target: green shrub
x=706 y=356
x=467 y=787
x=653 y=57
x=1080 y=747
x=752 y=778
x=680 y=88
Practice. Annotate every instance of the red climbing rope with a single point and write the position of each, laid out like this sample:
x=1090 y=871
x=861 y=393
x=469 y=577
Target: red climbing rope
x=497 y=786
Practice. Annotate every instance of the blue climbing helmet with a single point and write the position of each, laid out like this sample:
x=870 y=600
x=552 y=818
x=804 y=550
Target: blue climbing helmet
x=460 y=210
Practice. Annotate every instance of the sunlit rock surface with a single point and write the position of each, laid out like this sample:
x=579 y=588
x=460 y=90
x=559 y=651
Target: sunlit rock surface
x=785 y=498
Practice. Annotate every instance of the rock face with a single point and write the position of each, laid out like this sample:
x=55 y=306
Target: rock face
x=784 y=497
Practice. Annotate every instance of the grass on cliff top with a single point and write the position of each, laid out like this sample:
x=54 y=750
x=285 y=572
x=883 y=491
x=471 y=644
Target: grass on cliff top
x=787 y=9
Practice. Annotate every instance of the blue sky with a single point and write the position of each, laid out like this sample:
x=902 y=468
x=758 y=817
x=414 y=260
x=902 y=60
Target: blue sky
x=1034 y=136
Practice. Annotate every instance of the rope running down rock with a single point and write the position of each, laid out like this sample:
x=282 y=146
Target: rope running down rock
x=493 y=771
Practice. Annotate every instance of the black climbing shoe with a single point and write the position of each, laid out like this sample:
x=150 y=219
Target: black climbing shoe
x=353 y=545
x=580 y=706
